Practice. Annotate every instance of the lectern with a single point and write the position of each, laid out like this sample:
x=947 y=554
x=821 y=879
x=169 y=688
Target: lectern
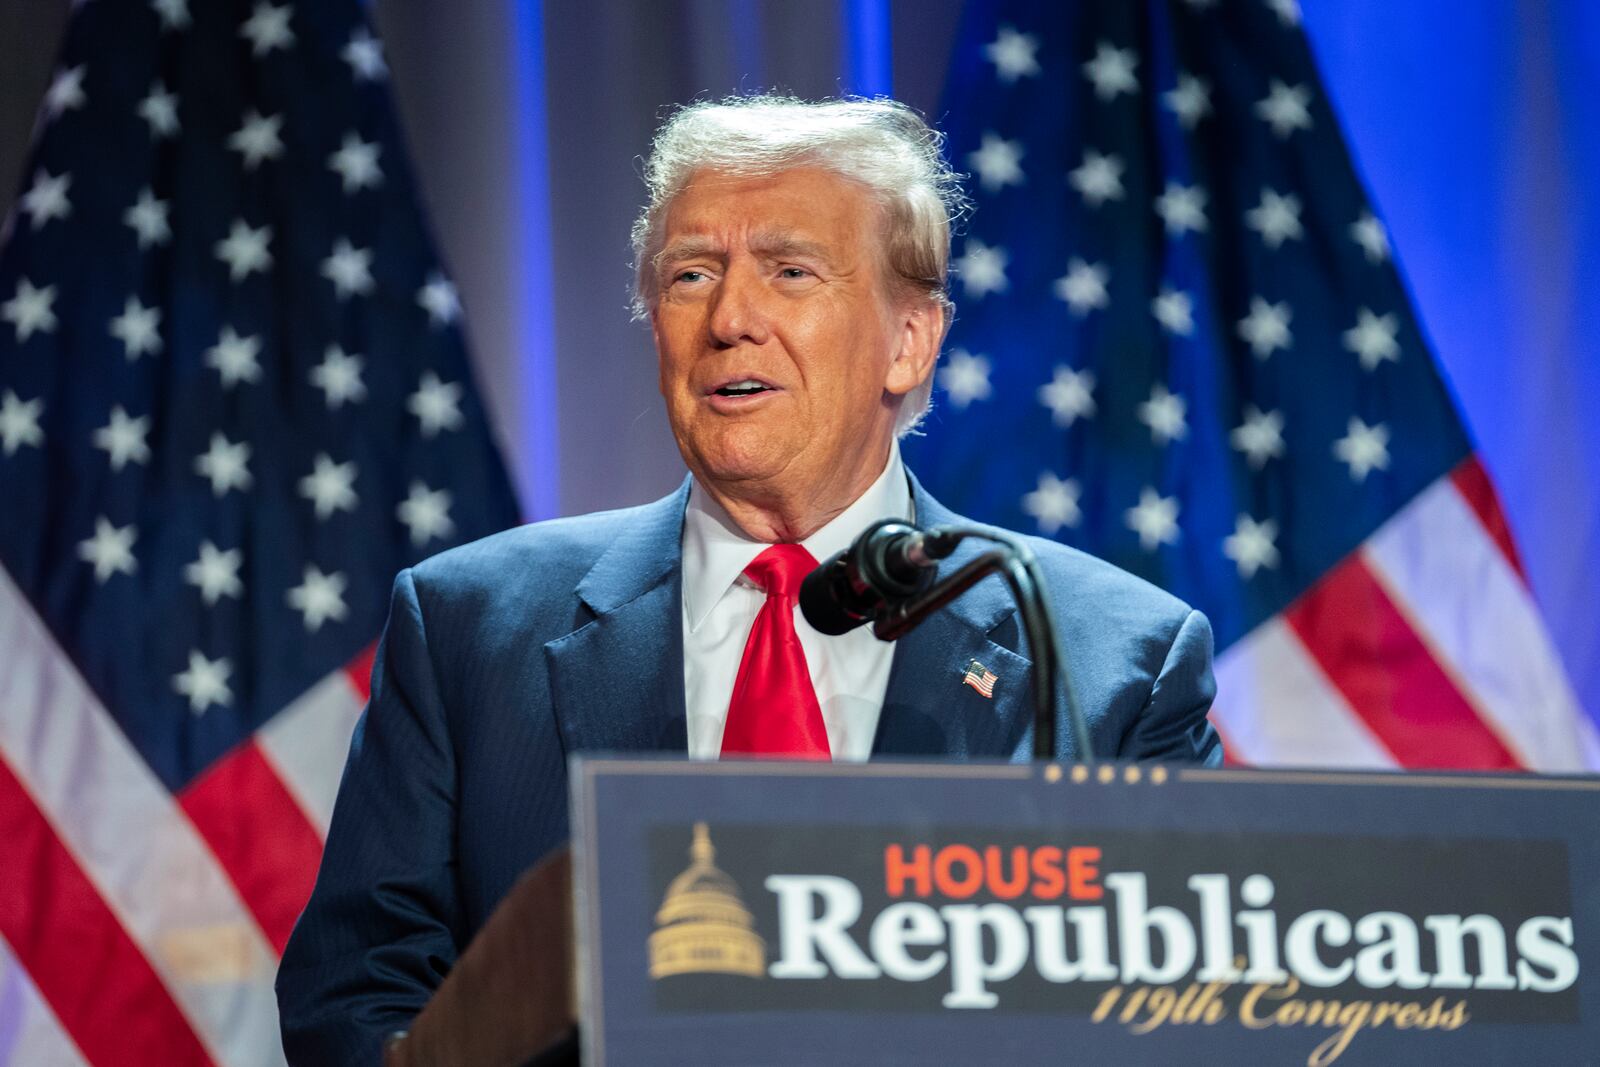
x=777 y=913
x=512 y=997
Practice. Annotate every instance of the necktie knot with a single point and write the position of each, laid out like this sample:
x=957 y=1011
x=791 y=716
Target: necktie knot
x=780 y=569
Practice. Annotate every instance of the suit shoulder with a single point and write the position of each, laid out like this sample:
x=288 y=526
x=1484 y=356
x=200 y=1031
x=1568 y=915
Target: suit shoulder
x=1113 y=591
x=558 y=551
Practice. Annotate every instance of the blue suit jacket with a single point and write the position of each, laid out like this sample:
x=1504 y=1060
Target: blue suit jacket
x=503 y=657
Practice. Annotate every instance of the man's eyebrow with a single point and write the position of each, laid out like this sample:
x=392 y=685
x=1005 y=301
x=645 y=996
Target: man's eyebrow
x=782 y=244
x=689 y=248
x=774 y=244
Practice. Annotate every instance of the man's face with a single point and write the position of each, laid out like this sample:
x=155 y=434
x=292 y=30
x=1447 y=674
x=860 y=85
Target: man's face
x=782 y=355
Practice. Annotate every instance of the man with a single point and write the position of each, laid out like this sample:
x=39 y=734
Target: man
x=792 y=264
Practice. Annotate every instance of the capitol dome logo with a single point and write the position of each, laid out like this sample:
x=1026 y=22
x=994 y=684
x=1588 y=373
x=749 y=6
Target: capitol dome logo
x=703 y=926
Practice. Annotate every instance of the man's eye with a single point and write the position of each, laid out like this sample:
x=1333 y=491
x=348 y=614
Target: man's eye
x=794 y=272
x=689 y=276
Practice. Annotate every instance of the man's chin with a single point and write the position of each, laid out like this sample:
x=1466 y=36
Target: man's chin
x=740 y=446
x=739 y=461
x=735 y=472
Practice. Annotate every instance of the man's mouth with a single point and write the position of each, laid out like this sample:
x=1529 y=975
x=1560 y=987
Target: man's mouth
x=743 y=387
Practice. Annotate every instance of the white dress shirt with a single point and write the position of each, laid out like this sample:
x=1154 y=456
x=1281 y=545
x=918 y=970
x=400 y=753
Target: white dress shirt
x=850 y=673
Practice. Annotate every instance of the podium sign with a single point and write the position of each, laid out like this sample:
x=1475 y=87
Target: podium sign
x=898 y=913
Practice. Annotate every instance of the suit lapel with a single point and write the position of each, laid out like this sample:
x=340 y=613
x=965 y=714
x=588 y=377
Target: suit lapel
x=617 y=681
x=928 y=711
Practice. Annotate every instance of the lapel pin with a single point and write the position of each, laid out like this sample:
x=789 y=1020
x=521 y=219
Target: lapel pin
x=980 y=678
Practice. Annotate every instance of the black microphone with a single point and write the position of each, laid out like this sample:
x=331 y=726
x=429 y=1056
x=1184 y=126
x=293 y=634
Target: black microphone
x=890 y=562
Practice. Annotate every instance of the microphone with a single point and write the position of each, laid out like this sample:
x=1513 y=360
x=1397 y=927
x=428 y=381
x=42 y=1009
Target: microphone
x=890 y=562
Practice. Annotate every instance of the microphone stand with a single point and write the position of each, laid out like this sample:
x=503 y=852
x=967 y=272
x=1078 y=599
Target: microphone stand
x=1015 y=563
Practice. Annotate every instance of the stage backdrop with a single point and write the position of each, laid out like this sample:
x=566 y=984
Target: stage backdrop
x=166 y=811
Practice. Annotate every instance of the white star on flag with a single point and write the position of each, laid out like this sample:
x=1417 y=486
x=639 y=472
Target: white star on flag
x=205 y=682
x=965 y=378
x=1069 y=395
x=159 y=109
x=1084 y=286
x=349 y=269
x=1363 y=448
x=1370 y=234
x=1276 y=218
x=1098 y=178
x=364 y=53
x=47 y=198
x=1260 y=436
x=174 y=14
x=1190 y=101
x=1111 y=71
x=1372 y=339
x=110 y=550
x=1288 y=11
x=982 y=269
x=998 y=162
x=1182 y=207
x=29 y=310
x=1154 y=519
x=426 y=513
x=1166 y=415
x=339 y=377
x=356 y=163
x=1012 y=54
x=1054 y=503
x=215 y=573
x=330 y=486
x=65 y=92
x=1285 y=108
x=1251 y=546
x=319 y=597
x=438 y=297
x=148 y=217
x=258 y=139
x=226 y=464
x=19 y=422
x=244 y=250
x=123 y=438
x=234 y=358
x=1266 y=327
x=267 y=28
x=1174 y=310
x=436 y=404
x=137 y=329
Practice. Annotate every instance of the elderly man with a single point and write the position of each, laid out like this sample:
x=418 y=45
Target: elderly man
x=792 y=264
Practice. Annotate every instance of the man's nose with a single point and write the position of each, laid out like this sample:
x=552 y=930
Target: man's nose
x=739 y=314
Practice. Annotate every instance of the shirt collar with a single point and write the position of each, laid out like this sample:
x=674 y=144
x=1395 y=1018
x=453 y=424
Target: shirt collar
x=716 y=551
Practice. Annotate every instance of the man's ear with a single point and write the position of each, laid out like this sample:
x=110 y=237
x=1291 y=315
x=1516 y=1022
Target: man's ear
x=921 y=334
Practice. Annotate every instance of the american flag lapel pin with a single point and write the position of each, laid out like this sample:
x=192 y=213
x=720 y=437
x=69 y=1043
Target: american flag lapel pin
x=980 y=678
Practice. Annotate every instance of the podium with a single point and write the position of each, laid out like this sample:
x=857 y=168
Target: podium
x=900 y=913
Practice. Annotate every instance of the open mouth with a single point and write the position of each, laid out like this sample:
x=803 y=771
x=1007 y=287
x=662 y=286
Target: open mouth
x=746 y=387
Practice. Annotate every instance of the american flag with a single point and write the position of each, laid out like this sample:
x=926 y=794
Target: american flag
x=234 y=401
x=1182 y=345
x=980 y=678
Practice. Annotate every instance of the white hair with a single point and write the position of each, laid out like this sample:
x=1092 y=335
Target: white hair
x=879 y=143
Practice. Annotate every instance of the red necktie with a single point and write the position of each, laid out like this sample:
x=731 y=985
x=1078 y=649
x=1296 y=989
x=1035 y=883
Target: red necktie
x=774 y=710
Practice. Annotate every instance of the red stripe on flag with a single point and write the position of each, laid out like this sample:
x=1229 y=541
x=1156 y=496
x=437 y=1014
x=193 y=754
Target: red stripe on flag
x=259 y=835
x=1473 y=483
x=359 y=671
x=102 y=989
x=1229 y=757
x=1368 y=649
